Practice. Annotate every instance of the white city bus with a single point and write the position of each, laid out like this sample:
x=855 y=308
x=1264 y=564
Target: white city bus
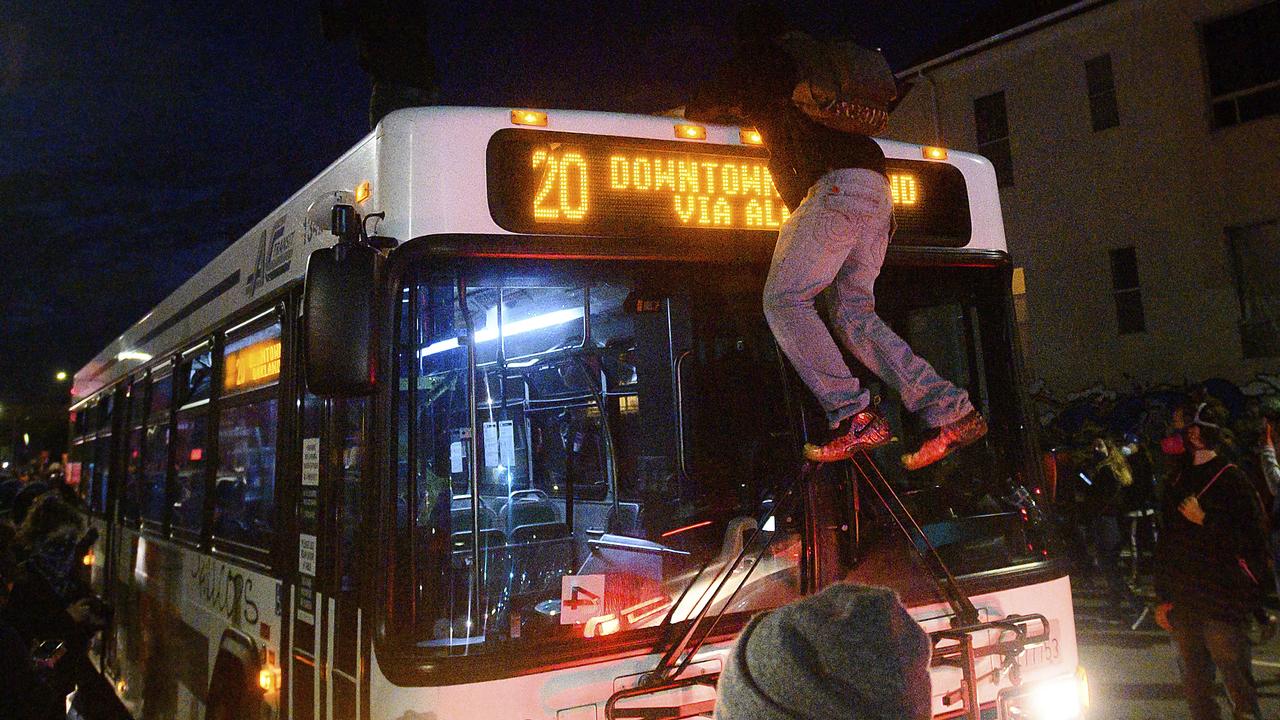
x=537 y=456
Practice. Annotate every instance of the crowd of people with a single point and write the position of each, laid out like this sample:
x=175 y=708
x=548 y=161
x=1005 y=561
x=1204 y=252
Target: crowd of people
x=48 y=613
x=1197 y=506
x=1108 y=490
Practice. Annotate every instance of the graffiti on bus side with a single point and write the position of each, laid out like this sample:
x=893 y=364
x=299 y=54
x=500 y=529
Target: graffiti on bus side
x=226 y=590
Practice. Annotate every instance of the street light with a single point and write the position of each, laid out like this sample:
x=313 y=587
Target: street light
x=61 y=376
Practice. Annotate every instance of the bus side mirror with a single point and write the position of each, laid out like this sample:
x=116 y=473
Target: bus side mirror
x=338 y=315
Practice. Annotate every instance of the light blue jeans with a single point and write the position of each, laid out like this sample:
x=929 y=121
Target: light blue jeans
x=838 y=238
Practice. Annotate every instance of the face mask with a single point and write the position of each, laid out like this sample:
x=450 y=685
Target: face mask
x=1173 y=445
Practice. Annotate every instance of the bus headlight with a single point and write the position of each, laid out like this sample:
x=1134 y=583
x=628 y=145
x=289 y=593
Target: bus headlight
x=1062 y=698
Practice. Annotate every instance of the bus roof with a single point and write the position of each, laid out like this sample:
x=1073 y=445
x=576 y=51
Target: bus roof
x=426 y=169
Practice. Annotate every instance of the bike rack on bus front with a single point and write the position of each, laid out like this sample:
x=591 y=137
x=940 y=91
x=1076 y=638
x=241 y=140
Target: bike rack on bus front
x=962 y=653
x=953 y=647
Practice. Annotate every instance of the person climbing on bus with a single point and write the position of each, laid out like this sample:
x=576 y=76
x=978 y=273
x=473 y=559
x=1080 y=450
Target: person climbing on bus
x=835 y=185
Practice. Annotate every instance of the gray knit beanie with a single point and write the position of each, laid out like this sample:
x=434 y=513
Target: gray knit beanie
x=850 y=651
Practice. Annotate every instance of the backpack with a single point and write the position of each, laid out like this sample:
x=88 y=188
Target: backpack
x=841 y=85
x=1255 y=561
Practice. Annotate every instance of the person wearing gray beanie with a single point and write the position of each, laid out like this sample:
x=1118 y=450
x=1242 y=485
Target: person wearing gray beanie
x=850 y=651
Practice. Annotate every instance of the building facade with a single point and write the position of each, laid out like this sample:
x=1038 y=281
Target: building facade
x=1138 y=147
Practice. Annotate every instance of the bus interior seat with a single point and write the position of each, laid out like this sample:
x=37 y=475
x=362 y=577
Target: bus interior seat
x=230 y=511
x=625 y=520
x=541 y=553
x=491 y=539
x=538 y=532
x=530 y=508
x=460 y=514
x=736 y=536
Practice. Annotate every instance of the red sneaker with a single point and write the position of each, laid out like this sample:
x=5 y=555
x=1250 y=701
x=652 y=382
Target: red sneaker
x=946 y=440
x=864 y=430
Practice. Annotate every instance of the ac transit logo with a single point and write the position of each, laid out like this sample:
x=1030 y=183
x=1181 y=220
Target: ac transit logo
x=275 y=250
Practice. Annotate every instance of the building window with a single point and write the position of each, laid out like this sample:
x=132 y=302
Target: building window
x=992 y=122
x=1124 y=286
x=1102 y=93
x=1255 y=262
x=1243 y=62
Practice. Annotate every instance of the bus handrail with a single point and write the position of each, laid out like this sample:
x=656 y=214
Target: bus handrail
x=680 y=451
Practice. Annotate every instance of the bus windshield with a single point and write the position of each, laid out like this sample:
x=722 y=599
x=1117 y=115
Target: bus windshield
x=632 y=423
x=978 y=508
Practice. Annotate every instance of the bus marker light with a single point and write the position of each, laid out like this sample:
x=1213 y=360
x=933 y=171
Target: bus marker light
x=686 y=131
x=363 y=191
x=1082 y=687
x=529 y=117
x=750 y=136
x=269 y=679
x=933 y=153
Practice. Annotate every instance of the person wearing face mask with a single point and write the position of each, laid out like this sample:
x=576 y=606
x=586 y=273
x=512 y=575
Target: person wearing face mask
x=1210 y=562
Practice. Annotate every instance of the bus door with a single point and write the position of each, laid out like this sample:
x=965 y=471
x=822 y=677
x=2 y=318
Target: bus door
x=327 y=662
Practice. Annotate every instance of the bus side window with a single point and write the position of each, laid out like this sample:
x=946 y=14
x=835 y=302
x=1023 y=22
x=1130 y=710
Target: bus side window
x=131 y=498
x=244 y=492
x=190 y=438
x=89 y=461
x=244 y=501
x=101 y=474
x=157 y=451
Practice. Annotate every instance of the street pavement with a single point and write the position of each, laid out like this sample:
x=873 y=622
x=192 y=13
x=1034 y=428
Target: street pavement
x=1134 y=673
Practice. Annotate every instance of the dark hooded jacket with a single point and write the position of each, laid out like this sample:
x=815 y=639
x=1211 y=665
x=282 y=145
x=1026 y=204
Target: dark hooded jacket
x=754 y=89
x=1217 y=570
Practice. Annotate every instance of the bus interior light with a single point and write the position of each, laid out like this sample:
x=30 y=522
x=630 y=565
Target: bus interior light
x=518 y=327
x=688 y=131
x=529 y=117
x=933 y=153
x=750 y=136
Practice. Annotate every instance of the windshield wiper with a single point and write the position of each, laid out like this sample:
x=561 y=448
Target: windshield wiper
x=961 y=605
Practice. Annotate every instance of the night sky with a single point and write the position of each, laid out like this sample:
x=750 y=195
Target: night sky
x=137 y=140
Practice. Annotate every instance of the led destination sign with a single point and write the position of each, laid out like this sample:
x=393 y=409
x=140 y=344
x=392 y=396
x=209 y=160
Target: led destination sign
x=572 y=184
